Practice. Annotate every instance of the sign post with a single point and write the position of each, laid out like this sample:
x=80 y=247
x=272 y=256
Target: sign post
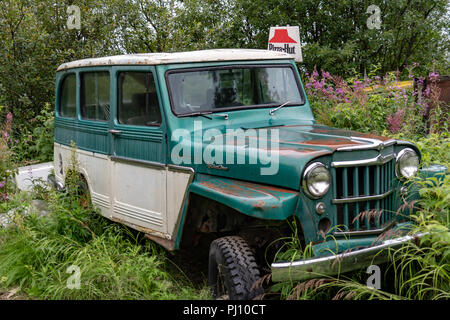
x=286 y=39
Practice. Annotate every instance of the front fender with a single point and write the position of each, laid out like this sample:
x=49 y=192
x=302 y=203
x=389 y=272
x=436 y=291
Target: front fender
x=255 y=200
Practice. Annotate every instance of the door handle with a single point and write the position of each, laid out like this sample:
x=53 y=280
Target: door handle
x=113 y=131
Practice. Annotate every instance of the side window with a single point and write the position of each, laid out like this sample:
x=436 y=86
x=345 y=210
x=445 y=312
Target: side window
x=68 y=101
x=95 y=96
x=138 y=101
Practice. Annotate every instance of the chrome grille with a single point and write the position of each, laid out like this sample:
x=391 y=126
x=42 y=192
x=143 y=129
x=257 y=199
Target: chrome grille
x=363 y=194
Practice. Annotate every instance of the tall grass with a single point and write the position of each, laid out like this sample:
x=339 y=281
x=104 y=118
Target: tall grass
x=39 y=253
x=114 y=263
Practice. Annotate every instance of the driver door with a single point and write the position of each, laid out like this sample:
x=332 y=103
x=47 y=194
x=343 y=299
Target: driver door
x=138 y=151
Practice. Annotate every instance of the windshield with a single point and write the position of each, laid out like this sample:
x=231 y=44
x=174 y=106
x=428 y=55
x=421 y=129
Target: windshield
x=211 y=90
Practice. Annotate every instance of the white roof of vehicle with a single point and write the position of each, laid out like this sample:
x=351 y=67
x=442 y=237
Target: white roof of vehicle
x=178 y=57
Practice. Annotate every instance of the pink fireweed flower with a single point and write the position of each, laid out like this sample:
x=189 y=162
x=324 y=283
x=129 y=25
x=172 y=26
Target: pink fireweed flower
x=318 y=85
x=434 y=75
x=395 y=120
x=315 y=74
x=326 y=75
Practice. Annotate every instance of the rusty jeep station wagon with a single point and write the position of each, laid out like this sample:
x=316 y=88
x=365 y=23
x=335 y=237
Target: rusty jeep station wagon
x=221 y=146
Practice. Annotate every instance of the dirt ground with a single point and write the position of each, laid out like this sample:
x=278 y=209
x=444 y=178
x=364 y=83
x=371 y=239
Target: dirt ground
x=11 y=295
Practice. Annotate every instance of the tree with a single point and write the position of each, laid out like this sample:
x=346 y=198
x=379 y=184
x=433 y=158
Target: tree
x=335 y=34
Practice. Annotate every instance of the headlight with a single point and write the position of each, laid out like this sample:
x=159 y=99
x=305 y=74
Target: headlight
x=316 y=180
x=407 y=163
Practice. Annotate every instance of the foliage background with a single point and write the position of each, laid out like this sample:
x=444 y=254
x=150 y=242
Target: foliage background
x=35 y=40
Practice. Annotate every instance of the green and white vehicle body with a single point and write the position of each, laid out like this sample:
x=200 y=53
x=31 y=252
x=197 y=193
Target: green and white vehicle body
x=133 y=178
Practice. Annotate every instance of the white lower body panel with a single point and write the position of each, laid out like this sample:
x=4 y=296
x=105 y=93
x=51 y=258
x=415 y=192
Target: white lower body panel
x=146 y=198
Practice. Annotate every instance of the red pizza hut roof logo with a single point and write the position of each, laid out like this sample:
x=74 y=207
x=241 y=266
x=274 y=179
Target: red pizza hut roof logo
x=286 y=39
x=281 y=36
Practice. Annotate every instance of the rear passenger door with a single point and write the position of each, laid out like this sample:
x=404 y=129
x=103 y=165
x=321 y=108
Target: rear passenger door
x=138 y=146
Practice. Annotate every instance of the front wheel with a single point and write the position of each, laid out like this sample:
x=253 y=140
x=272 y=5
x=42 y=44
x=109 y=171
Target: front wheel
x=233 y=270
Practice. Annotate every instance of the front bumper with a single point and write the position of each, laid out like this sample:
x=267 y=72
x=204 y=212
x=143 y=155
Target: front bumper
x=338 y=263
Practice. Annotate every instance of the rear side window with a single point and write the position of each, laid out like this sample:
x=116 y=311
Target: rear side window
x=68 y=101
x=138 y=101
x=95 y=96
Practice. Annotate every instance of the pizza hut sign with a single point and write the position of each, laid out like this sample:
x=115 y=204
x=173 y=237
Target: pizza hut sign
x=286 y=39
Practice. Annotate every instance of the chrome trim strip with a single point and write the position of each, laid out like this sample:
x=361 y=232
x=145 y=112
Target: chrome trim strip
x=338 y=263
x=375 y=144
x=363 y=198
x=145 y=163
x=174 y=167
x=356 y=163
x=405 y=143
x=365 y=232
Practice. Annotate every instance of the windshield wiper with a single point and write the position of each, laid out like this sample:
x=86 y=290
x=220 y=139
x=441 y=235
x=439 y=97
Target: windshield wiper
x=271 y=112
x=206 y=114
x=197 y=114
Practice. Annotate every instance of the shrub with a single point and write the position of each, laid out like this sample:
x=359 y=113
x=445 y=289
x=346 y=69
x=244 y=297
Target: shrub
x=36 y=145
x=377 y=105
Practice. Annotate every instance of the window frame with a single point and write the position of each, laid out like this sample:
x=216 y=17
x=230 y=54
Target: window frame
x=233 y=66
x=119 y=96
x=59 y=97
x=80 y=113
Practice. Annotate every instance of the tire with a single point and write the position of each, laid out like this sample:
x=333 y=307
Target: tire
x=80 y=190
x=232 y=270
x=83 y=193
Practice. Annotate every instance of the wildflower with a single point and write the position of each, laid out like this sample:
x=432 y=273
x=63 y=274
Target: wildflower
x=326 y=75
x=315 y=74
x=434 y=76
x=395 y=120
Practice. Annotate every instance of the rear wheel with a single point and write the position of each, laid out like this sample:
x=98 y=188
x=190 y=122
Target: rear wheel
x=78 y=188
x=84 y=195
x=233 y=270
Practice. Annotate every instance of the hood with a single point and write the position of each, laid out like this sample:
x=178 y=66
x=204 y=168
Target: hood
x=269 y=155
